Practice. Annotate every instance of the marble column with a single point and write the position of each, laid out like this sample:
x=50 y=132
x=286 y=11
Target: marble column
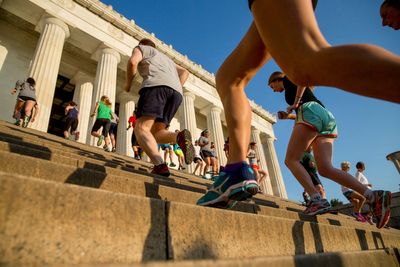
x=126 y=108
x=274 y=170
x=255 y=137
x=189 y=118
x=105 y=81
x=215 y=128
x=45 y=65
x=83 y=98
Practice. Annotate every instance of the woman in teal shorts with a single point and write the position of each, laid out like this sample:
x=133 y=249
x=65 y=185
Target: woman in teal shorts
x=316 y=126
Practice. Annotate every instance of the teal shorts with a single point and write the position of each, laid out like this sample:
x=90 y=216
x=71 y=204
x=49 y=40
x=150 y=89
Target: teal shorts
x=318 y=118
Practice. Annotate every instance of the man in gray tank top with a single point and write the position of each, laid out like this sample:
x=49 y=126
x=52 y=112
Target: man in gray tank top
x=160 y=98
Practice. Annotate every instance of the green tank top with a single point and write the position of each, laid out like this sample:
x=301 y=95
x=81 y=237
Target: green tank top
x=103 y=112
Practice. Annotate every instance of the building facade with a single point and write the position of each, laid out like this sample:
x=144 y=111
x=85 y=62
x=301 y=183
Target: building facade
x=78 y=50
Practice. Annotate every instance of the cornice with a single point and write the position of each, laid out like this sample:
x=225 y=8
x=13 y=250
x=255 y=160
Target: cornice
x=129 y=27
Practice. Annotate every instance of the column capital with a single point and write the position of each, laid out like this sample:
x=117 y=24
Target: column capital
x=189 y=94
x=81 y=77
x=47 y=19
x=255 y=130
x=215 y=108
x=104 y=49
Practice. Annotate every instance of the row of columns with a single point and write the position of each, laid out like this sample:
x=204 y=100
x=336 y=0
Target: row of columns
x=45 y=67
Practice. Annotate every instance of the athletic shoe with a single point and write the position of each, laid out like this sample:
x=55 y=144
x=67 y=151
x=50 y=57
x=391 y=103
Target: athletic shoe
x=161 y=169
x=184 y=140
x=368 y=219
x=25 y=122
x=231 y=186
x=172 y=164
x=76 y=136
x=113 y=149
x=318 y=207
x=100 y=141
x=360 y=218
x=17 y=122
x=381 y=207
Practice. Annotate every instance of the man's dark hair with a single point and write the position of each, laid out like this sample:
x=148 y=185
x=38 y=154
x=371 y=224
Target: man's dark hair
x=360 y=165
x=31 y=81
x=148 y=42
x=392 y=3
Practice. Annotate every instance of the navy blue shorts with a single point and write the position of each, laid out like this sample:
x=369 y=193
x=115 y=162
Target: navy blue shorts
x=161 y=102
x=113 y=128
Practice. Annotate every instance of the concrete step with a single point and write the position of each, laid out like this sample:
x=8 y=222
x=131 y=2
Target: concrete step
x=49 y=223
x=373 y=258
x=137 y=183
x=28 y=147
x=42 y=145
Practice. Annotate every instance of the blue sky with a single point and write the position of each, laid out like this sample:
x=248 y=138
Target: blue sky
x=208 y=30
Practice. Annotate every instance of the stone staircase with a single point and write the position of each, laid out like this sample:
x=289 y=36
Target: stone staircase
x=63 y=203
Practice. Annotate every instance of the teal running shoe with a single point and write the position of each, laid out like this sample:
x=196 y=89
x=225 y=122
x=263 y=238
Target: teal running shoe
x=230 y=187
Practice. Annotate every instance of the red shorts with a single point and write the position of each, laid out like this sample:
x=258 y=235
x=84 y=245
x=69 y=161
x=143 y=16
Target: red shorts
x=254 y=166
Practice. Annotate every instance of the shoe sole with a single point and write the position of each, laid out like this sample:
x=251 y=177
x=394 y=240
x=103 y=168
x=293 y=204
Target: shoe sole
x=318 y=212
x=237 y=192
x=387 y=199
x=188 y=148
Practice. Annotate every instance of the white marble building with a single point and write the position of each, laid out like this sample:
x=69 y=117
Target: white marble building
x=84 y=45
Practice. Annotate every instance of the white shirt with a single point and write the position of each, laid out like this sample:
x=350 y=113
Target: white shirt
x=361 y=178
x=197 y=151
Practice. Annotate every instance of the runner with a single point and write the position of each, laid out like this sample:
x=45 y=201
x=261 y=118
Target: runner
x=71 y=123
x=316 y=126
x=160 y=98
x=103 y=119
x=26 y=99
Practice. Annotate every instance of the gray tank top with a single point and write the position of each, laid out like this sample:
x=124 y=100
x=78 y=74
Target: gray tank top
x=157 y=69
x=25 y=89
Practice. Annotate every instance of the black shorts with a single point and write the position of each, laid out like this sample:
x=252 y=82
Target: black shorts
x=133 y=139
x=70 y=123
x=314 y=178
x=105 y=123
x=113 y=128
x=197 y=159
x=160 y=102
x=26 y=98
x=206 y=154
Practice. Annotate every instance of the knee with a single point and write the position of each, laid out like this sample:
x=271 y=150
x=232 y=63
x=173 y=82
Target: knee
x=290 y=161
x=325 y=170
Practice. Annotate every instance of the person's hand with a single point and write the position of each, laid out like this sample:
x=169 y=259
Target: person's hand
x=292 y=107
x=13 y=91
x=91 y=115
x=282 y=115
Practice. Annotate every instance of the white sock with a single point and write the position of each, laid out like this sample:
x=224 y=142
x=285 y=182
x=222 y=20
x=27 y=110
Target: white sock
x=315 y=197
